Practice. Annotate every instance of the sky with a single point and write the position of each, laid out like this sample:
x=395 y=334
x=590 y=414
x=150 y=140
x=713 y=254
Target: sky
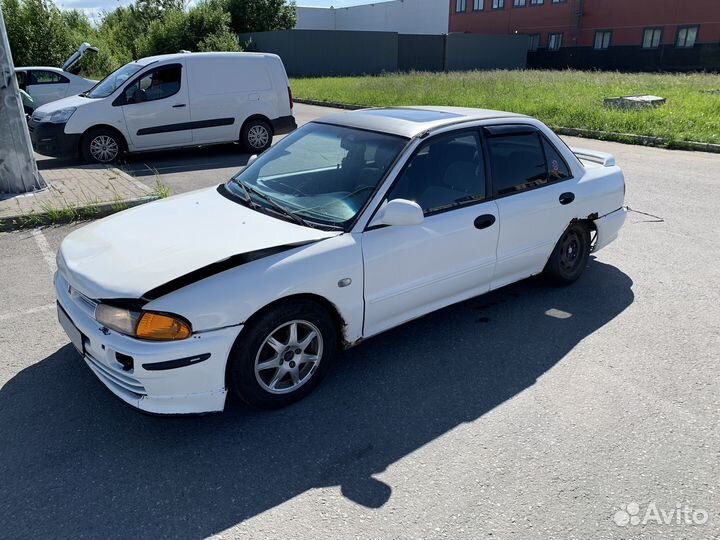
x=94 y=7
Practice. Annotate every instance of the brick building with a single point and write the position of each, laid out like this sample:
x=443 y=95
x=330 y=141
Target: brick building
x=646 y=35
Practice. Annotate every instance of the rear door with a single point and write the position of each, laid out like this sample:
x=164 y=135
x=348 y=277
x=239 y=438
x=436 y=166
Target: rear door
x=535 y=193
x=45 y=86
x=156 y=108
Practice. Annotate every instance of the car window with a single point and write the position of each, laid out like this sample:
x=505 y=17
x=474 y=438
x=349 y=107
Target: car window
x=445 y=172
x=160 y=83
x=557 y=168
x=113 y=81
x=47 y=77
x=519 y=162
x=21 y=79
x=321 y=172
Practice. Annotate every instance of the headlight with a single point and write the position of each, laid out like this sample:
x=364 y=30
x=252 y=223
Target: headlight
x=143 y=324
x=61 y=115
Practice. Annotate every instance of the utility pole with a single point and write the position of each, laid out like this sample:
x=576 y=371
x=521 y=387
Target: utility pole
x=18 y=170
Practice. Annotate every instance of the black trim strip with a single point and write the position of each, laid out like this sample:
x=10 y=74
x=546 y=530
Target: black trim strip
x=173 y=364
x=218 y=267
x=200 y=124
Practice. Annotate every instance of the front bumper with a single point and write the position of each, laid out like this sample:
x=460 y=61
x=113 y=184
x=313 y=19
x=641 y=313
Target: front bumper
x=51 y=140
x=153 y=384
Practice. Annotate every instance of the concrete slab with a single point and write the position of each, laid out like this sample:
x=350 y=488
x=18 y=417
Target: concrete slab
x=75 y=192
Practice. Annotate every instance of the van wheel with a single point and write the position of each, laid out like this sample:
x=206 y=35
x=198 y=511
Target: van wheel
x=256 y=136
x=282 y=355
x=102 y=146
x=570 y=256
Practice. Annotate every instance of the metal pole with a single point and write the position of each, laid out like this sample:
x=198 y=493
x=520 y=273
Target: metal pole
x=18 y=170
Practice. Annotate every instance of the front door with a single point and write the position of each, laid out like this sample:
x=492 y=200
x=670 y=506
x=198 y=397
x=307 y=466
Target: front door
x=156 y=108
x=46 y=86
x=412 y=270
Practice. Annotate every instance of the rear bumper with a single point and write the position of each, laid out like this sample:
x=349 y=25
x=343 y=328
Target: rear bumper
x=161 y=379
x=608 y=227
x=283 y=125
x=51 y=140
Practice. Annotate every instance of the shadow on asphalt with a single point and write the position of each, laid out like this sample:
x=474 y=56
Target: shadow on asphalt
x=168 y=161
x=78 y=463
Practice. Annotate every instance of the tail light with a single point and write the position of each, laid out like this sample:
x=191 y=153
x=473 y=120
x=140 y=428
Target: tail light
x=290 y=97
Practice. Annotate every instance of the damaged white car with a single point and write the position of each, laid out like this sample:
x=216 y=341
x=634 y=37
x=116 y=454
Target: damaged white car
x=350 y=226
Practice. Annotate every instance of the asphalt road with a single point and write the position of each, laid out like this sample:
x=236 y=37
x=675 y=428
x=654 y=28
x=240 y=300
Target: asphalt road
x=531 y=412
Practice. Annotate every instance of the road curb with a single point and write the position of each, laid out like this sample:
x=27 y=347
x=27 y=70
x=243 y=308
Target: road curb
x=626 y=138
x=70 y=215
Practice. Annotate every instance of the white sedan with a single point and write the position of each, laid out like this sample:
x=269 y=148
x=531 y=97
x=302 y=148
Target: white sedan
x=46 y=84
x=350 y=226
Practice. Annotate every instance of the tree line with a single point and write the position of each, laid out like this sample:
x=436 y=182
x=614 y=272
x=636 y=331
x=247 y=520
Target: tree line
x=41 y=34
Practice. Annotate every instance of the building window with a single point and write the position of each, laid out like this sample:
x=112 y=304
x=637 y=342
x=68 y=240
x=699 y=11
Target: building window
x=536 y=2
x=534 y=42
x=686 y=37
x=651 y=38
x=498 y=4
x=519 y=3
x=602 y=39
x=478 y=5
x=559 y=1
x=460 y=6
x=555 y=41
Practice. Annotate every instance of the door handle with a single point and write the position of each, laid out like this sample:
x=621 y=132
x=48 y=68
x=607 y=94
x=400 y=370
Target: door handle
x=567 y=198
x=484 y=221
x=178 y=105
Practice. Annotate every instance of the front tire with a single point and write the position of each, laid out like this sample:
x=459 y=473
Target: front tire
x=281 y=356
x=256 y=136
x=102 y=146
x=570 y=256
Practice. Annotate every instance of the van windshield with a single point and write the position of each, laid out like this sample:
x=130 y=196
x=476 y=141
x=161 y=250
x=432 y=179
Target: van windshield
x=111 y=83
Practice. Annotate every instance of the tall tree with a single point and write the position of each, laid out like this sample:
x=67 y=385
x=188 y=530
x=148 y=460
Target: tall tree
x=261 y=15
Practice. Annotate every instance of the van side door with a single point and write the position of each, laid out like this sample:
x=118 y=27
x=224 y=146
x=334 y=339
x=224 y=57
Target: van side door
x=156 y=108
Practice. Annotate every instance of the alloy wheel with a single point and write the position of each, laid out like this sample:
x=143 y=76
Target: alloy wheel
x=288 y=357
x=104 y=148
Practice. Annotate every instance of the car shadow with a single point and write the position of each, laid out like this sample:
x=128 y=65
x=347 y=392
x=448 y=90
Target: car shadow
x=78 y=463
x=167 y=161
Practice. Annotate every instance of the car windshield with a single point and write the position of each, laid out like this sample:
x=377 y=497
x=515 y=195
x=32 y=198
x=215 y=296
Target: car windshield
x=111 y=83
x=323 y=174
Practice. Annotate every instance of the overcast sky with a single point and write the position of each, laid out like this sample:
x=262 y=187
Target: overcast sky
x=95 y=7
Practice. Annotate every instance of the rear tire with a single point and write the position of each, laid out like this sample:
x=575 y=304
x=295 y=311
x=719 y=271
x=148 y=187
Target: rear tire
x=570 y=256
x=256 y=136
x=102 y=145
x=282 y=355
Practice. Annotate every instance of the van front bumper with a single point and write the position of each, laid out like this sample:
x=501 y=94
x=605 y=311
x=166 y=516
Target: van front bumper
x=284 y=125
x=181 y=377
x=50 y=139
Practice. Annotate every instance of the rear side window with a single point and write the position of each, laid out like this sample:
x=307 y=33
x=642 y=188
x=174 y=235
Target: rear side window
x=47 y=77
x=523 y=161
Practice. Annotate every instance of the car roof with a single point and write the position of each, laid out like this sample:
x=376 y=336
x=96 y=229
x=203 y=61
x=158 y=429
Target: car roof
x=178 y=56
x=44 y=68
x=411 y=121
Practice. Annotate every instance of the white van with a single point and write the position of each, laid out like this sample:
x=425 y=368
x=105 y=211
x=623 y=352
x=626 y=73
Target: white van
x=170 y=101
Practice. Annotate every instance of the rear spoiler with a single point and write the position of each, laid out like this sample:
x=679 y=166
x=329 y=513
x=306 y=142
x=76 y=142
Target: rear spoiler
x=603 y=158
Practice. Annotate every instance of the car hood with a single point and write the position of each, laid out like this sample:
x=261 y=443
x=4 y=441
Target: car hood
x=138 y=250
x=71 y=101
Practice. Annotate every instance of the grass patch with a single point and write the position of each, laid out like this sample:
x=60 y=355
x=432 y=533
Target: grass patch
x=572 y=99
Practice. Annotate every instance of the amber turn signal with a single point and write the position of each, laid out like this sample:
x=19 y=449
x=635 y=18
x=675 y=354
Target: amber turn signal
x=162 y=327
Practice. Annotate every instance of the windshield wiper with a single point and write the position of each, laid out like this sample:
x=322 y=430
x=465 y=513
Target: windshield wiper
x=280 y=208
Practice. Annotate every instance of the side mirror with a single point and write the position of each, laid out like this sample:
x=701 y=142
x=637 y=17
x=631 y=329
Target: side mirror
x=399 y=212
x=251 y=159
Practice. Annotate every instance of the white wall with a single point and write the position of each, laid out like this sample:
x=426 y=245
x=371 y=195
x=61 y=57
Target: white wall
x=402 y=16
